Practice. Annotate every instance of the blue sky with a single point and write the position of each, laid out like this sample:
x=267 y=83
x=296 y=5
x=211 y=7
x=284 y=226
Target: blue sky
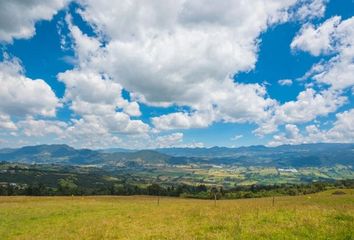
x=176 y=74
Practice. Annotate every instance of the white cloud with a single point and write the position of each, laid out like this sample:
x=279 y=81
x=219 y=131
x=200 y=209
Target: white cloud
x=310 y=9
x=171 y=140
x=291 y=131
x=100 y=111
x=18 y=17
x=95 y=98
x=6 y=122
x=236 y=137
x=21 y=96
x=92 y=93
x=333 y=36
x=228 y=103
x=92 y=128
x=176 y=53
x=333 y=76
x=316 y=40
x=84 y=45
x=343 y=127
x=342 y=131
x=179 y=60
x=183 y=120
x=285 y=82
x=89 y=133
x=34 y=128
x=308 y=106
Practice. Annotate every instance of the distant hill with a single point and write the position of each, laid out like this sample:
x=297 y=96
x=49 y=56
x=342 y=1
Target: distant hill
x=257 y=149
x=65 y=154
x=209 y=152
x=116 y=150
x=50 y=154
x=322 y=154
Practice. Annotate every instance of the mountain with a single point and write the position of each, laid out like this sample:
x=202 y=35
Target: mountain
x=140 y=157
x=304 y=155
x=50 y=154
x=256 y=149
x=64 y=154
x=116 y=150
x=209 y=152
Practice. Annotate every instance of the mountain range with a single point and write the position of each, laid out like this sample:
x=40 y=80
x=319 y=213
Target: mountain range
x=320 y=154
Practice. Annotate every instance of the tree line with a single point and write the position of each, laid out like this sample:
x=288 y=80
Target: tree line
x=69 y=186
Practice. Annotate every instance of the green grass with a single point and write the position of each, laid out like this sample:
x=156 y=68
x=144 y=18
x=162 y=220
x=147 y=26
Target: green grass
x=318 y=216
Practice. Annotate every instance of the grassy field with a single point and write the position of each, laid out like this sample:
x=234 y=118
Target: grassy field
x=318 y=216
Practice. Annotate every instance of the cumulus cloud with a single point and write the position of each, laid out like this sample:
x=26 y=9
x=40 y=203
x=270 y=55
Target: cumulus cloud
x=37 y=127
x=182 y=120
x=90 y=92
x=170 y=140
x=18 y=17
x=236 y=137
x=308 y=105
x=101 y=113
x=227 y=103
x=310 y=9
x=179 y=60
x=342 y=131
x=21 y=96
x=6 y=122
x=333 y=36
x=172 y=53
x=316 y=40
x=94 y=97
x=89 y=133
x=285 y=82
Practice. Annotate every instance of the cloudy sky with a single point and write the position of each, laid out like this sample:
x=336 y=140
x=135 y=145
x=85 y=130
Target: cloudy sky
x=162 y=73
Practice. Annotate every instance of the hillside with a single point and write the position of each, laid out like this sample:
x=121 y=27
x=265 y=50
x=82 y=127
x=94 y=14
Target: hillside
x=222 y=166
x=306 y=155
x=317 y=216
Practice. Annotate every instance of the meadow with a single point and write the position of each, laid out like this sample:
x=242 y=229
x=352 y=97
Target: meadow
x=316 y=216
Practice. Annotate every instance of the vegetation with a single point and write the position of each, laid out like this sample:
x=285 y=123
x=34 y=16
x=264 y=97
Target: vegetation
x=56 y=180
x=98 y=179
x=316 y=216
x=301 y=193
x=229 y=167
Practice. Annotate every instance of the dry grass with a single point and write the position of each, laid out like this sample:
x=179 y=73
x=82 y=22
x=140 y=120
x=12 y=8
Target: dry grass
x=318 y=216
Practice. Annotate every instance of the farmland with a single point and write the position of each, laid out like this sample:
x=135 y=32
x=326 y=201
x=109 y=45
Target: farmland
x=233 y=176
x=317 y=216
x=227 y=167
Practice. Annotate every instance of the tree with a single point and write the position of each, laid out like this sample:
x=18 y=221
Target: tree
x=67 y=186
x=214 y=192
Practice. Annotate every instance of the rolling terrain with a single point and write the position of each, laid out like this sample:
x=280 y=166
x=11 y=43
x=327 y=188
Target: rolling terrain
x=228 y=167
x=318 y=216
x=305 y=155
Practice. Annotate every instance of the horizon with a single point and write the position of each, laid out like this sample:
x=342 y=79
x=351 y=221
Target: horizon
x=174 y=74
x=142 y=149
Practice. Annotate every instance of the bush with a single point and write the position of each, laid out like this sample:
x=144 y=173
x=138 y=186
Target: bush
x=338 y=193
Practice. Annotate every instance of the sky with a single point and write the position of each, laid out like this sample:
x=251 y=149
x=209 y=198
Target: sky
x=176 y=73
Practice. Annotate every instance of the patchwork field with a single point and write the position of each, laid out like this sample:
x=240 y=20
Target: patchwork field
x=232 y=176
x=317 y=216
